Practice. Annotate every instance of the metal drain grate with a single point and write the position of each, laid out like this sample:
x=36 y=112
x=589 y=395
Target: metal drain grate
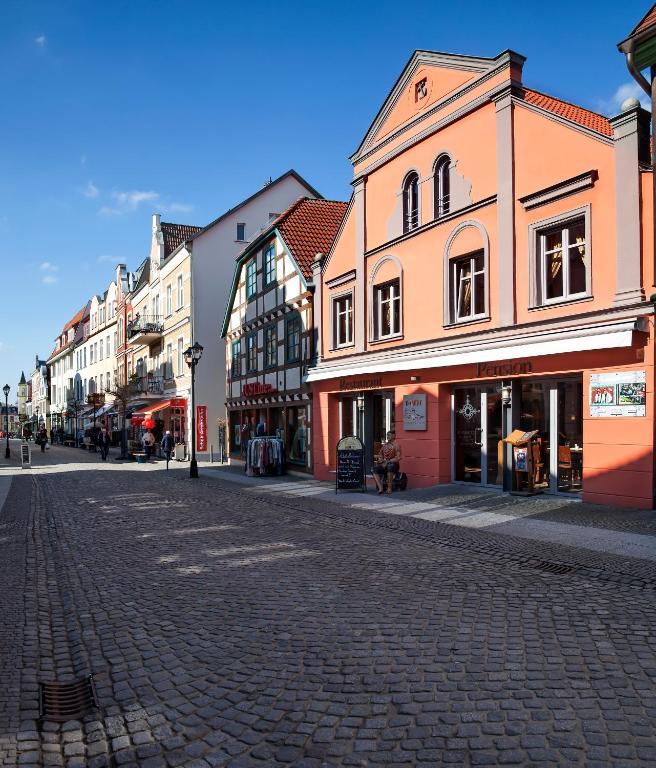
x=61 y=702
x=547 y=567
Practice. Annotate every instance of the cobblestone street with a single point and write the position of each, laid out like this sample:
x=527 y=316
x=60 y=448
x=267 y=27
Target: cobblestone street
x=228 y=627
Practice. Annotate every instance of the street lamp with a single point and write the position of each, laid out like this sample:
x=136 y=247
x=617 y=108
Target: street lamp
x=192 y=356
x=36 y=429
x=6 y=389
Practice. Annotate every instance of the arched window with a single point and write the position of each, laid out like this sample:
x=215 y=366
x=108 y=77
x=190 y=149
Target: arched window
x=441 y=190
x=411 y=202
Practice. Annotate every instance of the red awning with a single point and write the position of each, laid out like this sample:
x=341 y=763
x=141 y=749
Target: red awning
x=159 y=405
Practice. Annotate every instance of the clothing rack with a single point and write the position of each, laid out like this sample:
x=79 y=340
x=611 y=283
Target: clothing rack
x=265 y=456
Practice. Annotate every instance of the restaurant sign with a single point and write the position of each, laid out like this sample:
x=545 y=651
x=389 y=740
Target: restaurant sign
x=510 y=368
x=350 y=384
x=621 y=393
x=414 y=412
x=201 y=427
x=249 y=390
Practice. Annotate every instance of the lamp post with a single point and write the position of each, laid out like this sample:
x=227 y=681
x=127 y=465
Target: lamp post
x=6 y=389
x=192 y=356
x=36 y=429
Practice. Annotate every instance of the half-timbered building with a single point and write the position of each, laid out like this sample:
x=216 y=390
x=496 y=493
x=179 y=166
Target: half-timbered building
x=269 y=329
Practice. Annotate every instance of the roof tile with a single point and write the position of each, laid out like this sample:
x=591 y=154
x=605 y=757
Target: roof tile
x=646 y=21
x=175 y=235
x=584 y=117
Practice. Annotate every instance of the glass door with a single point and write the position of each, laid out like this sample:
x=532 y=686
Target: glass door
x=468 y=434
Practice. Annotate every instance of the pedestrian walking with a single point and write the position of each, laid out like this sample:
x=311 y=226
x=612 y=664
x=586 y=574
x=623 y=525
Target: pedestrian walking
x=148 y=442
x=103 y=442
x=42 y=438
x=167 y=447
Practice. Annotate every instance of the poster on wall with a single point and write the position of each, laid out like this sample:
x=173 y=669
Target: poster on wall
x=622 y=393
x=414 y=412
x=201 y=428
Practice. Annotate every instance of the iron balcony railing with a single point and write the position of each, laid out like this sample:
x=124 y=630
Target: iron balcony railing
x=151 y=385
x=148 y=324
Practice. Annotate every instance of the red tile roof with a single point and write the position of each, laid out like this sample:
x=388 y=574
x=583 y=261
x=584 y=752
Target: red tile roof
x=75 y=320
x=646 y=21
x=175 y=235
x=584 y=117
x=309 y=227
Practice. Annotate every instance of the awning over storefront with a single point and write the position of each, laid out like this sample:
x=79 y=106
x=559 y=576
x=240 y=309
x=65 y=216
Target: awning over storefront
x=457 y=352
x=148 y=409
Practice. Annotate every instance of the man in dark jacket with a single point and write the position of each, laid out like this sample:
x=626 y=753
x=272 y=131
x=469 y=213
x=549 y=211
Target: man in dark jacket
x=167 y=447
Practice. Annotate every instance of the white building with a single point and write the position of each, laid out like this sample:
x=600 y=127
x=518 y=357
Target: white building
x=61 y=364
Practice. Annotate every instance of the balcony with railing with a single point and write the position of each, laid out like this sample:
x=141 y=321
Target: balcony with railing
x=145 y=329
x=147 y=385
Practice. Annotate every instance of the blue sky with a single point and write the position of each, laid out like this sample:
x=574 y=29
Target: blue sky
x=113 y=111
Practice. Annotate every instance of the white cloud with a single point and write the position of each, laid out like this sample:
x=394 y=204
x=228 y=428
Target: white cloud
x=40 y=40
x=47 y=266
x=129 y=201
x=177 y=208
x=91 y=190
x=49 y=279
x=625 y=91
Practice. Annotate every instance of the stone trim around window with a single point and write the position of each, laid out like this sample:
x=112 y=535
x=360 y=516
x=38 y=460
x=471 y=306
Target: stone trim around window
x=534 y=229
x=373 y=339
x=333 y=334
x=448 y=319
x=561 y=189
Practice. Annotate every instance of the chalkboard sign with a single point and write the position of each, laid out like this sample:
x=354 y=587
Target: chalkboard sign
x=25 y=455
x=350 y=465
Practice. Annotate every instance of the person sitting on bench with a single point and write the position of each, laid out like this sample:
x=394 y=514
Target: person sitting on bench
x=387 y=462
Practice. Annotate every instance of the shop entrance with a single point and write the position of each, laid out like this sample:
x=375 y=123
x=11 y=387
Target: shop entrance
x=478 y=430
x=370 y=416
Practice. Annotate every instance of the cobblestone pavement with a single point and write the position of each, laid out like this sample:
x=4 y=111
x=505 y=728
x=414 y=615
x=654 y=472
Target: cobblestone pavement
x=224 y=628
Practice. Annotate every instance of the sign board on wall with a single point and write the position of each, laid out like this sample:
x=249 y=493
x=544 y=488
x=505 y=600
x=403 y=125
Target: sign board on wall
x=201 y=427
x=414 y=412
x=621 y=393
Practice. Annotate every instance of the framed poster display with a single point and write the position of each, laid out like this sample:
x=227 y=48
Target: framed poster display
x=621 y=393
x=414 y=412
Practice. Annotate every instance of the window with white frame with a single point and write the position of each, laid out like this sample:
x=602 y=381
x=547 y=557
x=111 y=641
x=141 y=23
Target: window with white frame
x=235 y=367
x=563 y=267
x=387 y=309
x=180 y=369
x=180 y=293
x=90 y=354
x=251 y=279
x=251 y=352
x=441 y=189
x=343 y=320
x=108 y=347
x=270 y=264
x=168 y=368
x=293 y=327
x=102 y=350
x=467 y=283
x=411 y=202
x=271 y=346
x=169 y=299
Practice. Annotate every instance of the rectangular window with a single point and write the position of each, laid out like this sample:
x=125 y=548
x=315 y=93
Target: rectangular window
x=108 y=346
x=180 y=357
x=271 y=346
x=251 y=279
x=180 y=293
x=562 y=270
x=168 y=373
x=251 y=352
x=115 y=340
x=102 y=351
x=343 y=320
x=293 y=339
x=270 y=264
x=468 y=287
x=235 y=367
x=169 y=300
x=91 y=354
x=241 y=232
x=387 y=309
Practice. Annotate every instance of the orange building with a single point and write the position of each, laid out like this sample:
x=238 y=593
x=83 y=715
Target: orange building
x=493 y=272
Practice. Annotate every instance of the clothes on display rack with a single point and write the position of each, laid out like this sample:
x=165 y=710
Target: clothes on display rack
x=265 y=455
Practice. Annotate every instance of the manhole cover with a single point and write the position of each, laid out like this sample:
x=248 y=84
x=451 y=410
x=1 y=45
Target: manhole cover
x=67 y=701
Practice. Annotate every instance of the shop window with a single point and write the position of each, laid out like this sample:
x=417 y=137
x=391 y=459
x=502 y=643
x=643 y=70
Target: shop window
x=441 y=186
x=270 y=265
x=468 y=287
x=411 y=202
x=271 y=346
x=251 y=352
x=562 y=264
x=343 y=320
x=387 y=309
x=235 y=367
x=297 y=435
x=293 y=338
x=251 y=279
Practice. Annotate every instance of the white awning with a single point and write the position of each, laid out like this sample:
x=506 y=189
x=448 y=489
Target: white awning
x=553 y=342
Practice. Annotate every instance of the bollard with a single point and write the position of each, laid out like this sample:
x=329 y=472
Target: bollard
x=211 y=454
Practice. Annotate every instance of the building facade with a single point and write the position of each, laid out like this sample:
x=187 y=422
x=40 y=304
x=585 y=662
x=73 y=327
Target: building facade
x=61 y=365
x=269 y=330
x=478 y=287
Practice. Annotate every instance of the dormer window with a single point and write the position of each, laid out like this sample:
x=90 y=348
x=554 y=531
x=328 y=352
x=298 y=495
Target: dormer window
x=411 y=202
x=441 y=186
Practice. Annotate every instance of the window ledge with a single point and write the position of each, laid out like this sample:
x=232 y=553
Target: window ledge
x=473 y=321
x=395 y=337
x=340 y=347
x=563 y=303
